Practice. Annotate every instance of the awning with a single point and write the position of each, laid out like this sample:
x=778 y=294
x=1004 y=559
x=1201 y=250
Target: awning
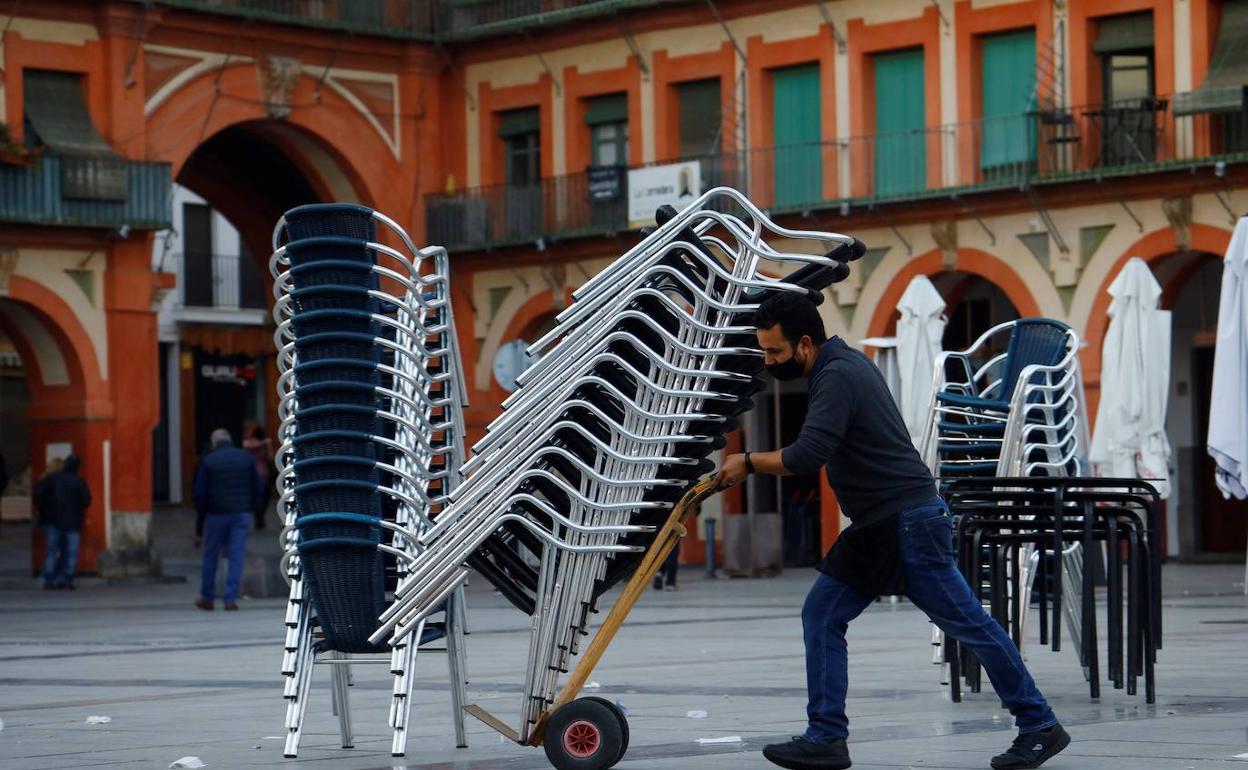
x=612 y=108
x=522 y=121
x=1128 y=32
x=1225 y=86
x=56 y=109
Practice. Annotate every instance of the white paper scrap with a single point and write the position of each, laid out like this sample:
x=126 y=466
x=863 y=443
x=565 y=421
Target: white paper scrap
x=727 y=739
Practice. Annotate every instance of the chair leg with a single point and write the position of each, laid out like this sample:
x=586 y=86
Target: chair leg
x=1113 y=617
x=403 y=665
x=1134 y=624
x=1091 y=654
x=298 y=707
x=343 y=698
x=455 y=657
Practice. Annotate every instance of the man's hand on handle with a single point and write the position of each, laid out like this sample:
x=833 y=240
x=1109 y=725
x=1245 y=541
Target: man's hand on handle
x=737 y=467
x=732 y=473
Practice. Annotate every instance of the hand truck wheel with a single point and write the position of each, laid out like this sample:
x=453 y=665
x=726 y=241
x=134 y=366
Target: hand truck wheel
x=585 y=734
x=618 y=715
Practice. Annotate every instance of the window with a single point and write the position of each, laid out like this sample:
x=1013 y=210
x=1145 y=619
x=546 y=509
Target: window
x=1127 y=121
x=520 y=132
x=700 y=118
x=900 y=154
x=197 y=275
x=1008 y=79
x=607 y=117
x=795 y=133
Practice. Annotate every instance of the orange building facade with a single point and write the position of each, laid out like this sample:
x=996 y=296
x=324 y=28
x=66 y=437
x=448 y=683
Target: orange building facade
x=1018 y=153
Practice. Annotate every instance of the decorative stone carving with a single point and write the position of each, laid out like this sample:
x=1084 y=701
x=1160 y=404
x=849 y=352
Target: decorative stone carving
x=1178 y=213
x=945 y=234
x=8 y=264
x=278 y=75
x=556 y=276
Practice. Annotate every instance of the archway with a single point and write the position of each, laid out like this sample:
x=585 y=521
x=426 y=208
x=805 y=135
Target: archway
x=973 y=305
x=48 y=383
x=218 y=365
x=1199 y=520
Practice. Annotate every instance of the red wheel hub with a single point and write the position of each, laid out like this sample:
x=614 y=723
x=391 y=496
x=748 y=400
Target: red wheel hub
x=581 y=739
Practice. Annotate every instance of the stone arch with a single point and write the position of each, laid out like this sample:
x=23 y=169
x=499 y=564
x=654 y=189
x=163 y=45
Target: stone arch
x=331 y=139
x=521 y=312
x=1153 y=248
x=68 y=402
x=971 y=261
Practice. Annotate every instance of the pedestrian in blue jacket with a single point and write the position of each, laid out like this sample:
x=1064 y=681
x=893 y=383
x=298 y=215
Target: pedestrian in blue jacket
x=227 y=489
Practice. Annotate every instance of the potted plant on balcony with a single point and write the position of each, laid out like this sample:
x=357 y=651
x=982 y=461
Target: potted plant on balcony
x=14 y=152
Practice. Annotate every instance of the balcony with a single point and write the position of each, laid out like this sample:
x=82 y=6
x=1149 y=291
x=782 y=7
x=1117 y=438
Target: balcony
x=444 y=20
x=1033 y=149
x=36 y=195
x=226 y=288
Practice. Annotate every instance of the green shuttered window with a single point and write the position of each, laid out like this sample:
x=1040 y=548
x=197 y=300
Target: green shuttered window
x=1008 y=78
x=900 y=154
x=795 y=134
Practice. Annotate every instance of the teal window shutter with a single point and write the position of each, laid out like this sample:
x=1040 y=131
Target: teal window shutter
x=612 y=108
x=795 y=133
x=1008 y=77
x=526 y=120
x=900 y=136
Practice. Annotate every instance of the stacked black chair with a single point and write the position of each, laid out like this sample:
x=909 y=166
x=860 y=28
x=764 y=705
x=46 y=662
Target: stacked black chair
x=372 y=437
x=1020 y=527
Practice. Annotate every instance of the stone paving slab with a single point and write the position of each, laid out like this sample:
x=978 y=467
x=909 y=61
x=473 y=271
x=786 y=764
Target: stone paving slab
x=176 y=681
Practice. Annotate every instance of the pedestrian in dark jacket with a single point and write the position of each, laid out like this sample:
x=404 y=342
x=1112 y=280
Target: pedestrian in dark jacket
x=227 y=489
x=62 y=497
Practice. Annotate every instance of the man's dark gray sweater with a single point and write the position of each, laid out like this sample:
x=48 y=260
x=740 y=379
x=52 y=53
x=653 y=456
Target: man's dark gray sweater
x=854 y=429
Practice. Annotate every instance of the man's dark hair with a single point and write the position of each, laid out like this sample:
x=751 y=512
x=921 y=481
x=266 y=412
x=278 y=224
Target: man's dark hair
x=798 y=317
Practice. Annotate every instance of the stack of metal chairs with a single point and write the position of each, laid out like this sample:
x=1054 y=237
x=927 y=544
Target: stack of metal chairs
x=372 y=438
x=634 y=389
x=1019 y=413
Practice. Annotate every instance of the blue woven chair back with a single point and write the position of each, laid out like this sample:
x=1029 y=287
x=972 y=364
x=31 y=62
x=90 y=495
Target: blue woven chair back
x=346 y=220
x=340 y=507
x=1032 y=341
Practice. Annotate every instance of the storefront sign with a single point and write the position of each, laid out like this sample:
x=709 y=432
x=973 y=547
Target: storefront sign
x=605 y=183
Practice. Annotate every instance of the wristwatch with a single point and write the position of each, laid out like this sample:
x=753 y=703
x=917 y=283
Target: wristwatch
x=749 y=466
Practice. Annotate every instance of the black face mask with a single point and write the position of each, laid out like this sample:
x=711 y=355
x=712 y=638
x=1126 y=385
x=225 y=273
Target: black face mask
x=787 y=370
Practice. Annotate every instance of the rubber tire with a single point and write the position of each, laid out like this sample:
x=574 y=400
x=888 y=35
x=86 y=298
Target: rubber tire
x=600 y=715
x=618 y=715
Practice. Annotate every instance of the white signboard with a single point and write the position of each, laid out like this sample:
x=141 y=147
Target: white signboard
x=651 y=187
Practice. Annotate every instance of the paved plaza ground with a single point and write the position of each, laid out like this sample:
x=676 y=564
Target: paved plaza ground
x=176 y=681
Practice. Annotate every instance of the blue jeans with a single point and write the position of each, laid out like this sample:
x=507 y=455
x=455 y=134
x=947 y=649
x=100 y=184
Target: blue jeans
x=61 y=560
x=935 y=585
x=224 y=531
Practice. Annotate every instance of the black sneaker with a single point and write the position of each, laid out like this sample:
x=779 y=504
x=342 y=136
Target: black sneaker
x=1032 y=749
x=804 y=754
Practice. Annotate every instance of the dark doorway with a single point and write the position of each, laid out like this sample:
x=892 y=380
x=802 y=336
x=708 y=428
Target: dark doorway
x=225 y=388
x=197 y=278
x=1223 y=523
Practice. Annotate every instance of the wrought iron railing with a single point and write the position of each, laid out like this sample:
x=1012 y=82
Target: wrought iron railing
x=1044 y=146
x=222 y=281
x=416 y=19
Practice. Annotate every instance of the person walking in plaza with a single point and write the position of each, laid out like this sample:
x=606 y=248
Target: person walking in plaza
x=227 y=488
x=260 y=447
x=62 y=498
x=900 y=540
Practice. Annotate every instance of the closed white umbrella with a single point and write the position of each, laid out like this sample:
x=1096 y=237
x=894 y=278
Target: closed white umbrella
x=1228 y=410
x=1130 y=438
x=919 y=330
